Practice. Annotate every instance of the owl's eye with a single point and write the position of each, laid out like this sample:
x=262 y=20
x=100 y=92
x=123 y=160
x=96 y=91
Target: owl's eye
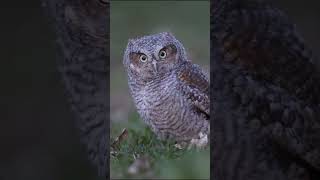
x=143 y=58
x=162 y=54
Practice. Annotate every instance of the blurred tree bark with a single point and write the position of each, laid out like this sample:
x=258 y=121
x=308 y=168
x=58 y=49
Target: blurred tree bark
x=82 y=33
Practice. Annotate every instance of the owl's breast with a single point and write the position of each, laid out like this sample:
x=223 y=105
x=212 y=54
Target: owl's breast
x=158 y=100
x=163 y=106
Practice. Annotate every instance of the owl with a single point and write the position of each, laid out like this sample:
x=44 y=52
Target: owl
x=265 y=95
x=170 y=93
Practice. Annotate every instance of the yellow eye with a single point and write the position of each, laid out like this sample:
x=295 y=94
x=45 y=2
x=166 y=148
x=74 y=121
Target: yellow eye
x=143 y=58
x=162 y=54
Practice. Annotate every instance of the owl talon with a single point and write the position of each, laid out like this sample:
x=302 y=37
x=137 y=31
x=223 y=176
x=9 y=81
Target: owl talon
x=180 y=145
x=200 y=142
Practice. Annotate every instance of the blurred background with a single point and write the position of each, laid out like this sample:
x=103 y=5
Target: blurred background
x=38 y=139
x=306 y=18
x=37 y=134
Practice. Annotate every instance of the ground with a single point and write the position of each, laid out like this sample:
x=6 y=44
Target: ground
x=141 y=155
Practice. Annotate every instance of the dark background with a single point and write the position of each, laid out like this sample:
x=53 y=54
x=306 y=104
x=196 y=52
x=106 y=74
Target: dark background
x=37 y=136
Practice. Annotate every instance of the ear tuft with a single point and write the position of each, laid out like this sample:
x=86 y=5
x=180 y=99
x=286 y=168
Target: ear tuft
x=168 y=34
x=130 y=42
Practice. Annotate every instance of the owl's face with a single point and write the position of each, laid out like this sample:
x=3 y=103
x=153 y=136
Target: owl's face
x=152 y=56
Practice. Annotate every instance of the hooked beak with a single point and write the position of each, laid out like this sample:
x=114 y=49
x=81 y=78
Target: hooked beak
x=154 y=63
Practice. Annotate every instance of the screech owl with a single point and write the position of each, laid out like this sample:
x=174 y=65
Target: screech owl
x=170 y=93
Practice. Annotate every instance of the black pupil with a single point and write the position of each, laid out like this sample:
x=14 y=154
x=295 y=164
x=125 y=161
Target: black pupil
x=162 y=53
x=143 y=58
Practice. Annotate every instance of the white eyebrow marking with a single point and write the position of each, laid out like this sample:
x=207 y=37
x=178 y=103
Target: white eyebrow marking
x=156 y=52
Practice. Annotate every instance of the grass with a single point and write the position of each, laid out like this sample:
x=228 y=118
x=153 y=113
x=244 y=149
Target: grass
x=162 y=158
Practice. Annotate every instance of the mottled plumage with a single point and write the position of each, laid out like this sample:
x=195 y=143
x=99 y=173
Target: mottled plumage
x=171 y=94
x=265 y=95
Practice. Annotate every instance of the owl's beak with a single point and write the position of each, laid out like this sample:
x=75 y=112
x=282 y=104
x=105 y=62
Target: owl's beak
x=154 y=63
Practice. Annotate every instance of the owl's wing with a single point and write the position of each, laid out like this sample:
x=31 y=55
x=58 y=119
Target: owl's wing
x=262 y=39
x=195 y=86
x=292 y=125
x=298 y=133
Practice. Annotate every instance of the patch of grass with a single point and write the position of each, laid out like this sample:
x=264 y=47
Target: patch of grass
x=166 y=161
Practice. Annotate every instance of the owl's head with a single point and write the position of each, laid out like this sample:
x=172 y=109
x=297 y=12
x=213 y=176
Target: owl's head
x=152 y=56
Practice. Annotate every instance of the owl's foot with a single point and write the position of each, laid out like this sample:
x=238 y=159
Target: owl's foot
x=181 y=145
x=200 y=142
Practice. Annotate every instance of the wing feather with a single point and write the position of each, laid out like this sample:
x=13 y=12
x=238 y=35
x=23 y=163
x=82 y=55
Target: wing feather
x=195 y=86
